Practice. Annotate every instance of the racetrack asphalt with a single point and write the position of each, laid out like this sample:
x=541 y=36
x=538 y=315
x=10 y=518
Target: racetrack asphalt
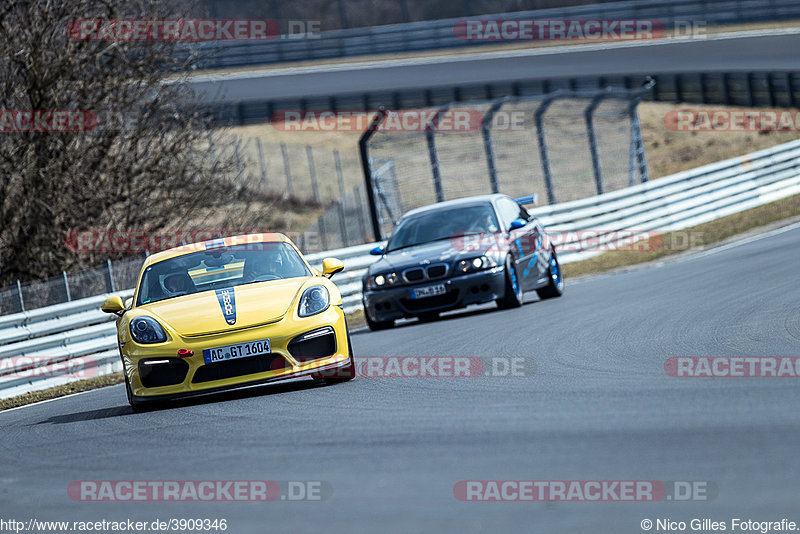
x=595 y=404
x=743 y=52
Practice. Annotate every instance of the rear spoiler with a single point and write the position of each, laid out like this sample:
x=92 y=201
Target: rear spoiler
x=529 y=199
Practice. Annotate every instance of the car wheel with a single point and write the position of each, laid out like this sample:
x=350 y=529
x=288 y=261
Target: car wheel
x=378 y=325
x=555 y=285
x=136 y=406
x=343 y=374
x=513 y=294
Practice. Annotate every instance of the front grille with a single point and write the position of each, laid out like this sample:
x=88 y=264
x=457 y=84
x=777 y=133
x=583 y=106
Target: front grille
x=239 y=367
x=156 y=372
x=439 y=301
x=437 y=271
x=414 y=275
x=313 y=345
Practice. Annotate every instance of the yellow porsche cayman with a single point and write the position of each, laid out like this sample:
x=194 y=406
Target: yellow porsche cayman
x=228 y=312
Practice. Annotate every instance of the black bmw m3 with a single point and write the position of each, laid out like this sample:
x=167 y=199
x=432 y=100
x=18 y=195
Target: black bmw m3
x=460 y=252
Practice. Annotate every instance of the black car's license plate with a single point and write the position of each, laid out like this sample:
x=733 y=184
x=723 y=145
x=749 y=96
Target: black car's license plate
x=428 y=291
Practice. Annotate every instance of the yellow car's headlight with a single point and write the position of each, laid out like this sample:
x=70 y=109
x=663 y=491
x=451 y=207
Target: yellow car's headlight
x=147 y=330
x=314 y=300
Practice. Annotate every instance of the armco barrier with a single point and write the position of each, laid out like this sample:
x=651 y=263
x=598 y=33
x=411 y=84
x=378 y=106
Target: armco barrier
x=79 y=329
x=439 y=34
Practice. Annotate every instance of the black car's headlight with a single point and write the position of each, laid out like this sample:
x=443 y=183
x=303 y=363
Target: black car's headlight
x=382 y=280
x=315 y=299
x=477 y=263
x=147 y=330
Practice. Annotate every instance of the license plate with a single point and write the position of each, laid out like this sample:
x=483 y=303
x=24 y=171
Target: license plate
x=239 y=350
x=429 y=291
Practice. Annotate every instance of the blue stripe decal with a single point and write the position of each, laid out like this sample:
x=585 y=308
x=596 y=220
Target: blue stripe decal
x=227 y=301
x=216 y=243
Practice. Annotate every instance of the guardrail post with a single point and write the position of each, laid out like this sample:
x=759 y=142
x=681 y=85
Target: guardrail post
x=488 y=147
x=110 y=276
x=588 y=115
x=21 y=300
x=543 y=154
x=66 y=285
x=287 y=169
x=367 y=170
x=312 y=171
x=433 y=155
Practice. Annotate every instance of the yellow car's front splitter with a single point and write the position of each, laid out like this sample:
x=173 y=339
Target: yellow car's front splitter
x=158 y=371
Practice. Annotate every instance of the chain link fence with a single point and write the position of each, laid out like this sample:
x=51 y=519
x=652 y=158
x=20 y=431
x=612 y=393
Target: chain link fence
x=562 y=146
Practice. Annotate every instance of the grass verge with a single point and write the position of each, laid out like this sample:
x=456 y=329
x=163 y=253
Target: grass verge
x=700 y=236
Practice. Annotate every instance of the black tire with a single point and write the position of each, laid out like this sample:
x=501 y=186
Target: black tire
x=555 y=286
x=136 y=405
x=378 y=325
x=342 y=374
x=513 y=296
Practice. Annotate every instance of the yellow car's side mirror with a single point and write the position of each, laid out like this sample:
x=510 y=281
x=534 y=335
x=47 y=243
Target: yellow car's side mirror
x=113 y=305
x=331 y=266
x=128 y=303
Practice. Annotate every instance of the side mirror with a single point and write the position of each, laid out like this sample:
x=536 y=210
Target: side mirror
x=331 y=266
x=517 y=223
x=377 y=251
x=113 y=305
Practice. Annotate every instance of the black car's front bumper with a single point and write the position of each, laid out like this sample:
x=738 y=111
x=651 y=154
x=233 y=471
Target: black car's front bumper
x=398 y=302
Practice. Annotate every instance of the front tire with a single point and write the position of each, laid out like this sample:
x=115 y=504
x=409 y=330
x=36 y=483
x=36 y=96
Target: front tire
x=136 y=406
x=555 y=285
x=378 y=325
x=513 y=296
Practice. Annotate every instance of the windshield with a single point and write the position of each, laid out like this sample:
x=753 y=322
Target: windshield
x=219 y=268
x=442 y=224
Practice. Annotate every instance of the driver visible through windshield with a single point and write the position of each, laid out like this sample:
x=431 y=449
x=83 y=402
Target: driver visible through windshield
x=219 y=268
x=443 y=224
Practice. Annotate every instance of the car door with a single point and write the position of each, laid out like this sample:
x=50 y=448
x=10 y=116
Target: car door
x=525 y=241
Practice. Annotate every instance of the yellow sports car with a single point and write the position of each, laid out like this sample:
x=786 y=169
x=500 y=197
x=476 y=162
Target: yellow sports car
x=229 y=312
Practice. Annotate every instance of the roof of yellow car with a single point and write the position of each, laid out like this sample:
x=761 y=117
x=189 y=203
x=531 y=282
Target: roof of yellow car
x=213 y=243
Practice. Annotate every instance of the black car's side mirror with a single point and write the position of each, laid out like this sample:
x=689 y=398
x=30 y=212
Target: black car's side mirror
x=516 y=224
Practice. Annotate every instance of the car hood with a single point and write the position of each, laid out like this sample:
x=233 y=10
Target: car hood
x=444 y=251
x=228 y=309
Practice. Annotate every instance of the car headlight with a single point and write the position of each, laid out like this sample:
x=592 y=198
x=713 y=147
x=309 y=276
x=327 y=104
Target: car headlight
x=474 y=264
x=382 y=280
x=147 y=330
x=315 y=300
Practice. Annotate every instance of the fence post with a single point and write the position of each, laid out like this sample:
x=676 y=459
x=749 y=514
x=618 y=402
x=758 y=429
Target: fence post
x=367 y=170
x=261 y=162
x=543 y=155
x=342 y=199
x=21 y=301
x=433 y=155
x=588 y=115
x=312 y=171
x=488 y=147
x=66 y=285
x=287 y=169
x=111 y=276
x=637 y=147
x=239 y=165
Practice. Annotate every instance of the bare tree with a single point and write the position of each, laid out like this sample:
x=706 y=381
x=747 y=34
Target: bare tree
x=145 y=165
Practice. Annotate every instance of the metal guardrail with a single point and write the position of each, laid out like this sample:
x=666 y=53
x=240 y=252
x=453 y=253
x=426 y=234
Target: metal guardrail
x=439 y=34
x=79 y=330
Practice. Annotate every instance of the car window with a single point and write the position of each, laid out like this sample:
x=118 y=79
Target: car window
x=443 y=224
x=510 y=210
x=217 y=268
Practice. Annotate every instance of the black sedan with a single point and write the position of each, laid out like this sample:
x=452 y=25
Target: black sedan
x=460 y=252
